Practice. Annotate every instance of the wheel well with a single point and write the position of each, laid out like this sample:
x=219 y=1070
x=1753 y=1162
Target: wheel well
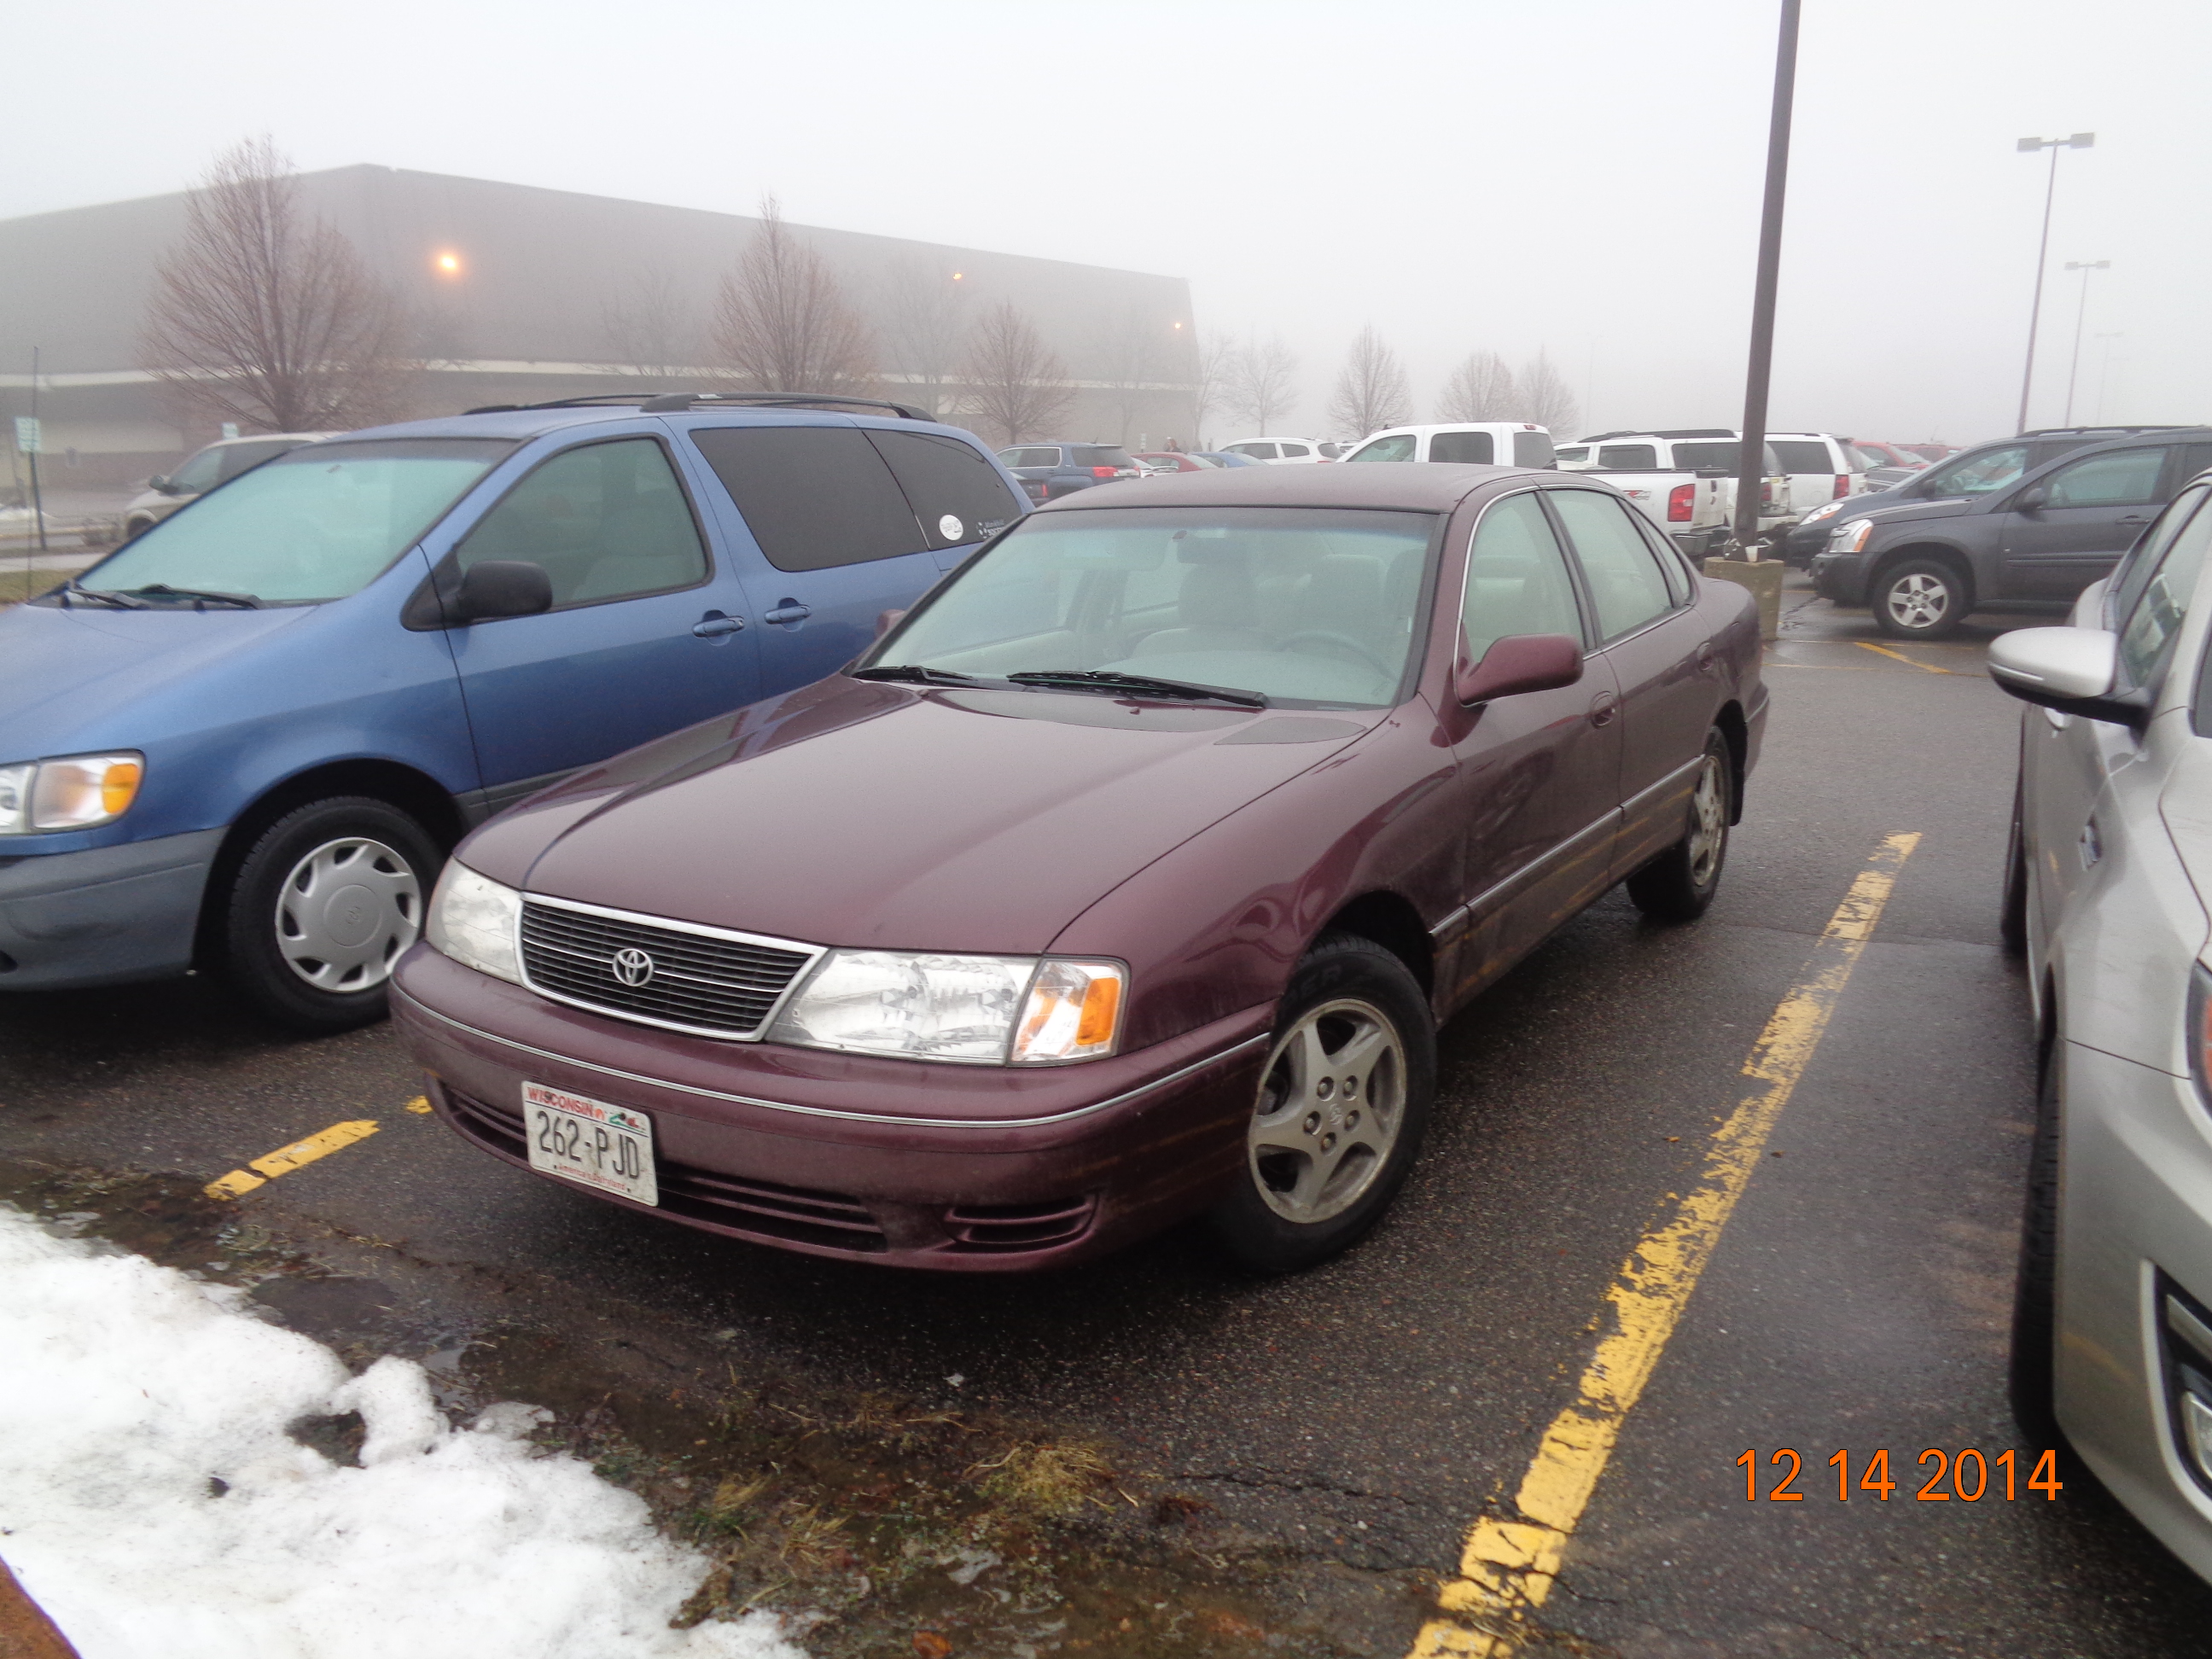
x=413 y=793
x=1738 y=734
x=1949 y=557
x=1392 y=922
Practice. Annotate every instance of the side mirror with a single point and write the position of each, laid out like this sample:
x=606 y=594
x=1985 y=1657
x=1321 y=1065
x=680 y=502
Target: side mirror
x=1519 y=663
x=2069 y=669
x=159 y=483
x=502 y=587
x=2030 y=500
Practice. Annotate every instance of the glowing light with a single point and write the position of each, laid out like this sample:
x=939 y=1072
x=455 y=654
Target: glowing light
x=958 y=275
x=1178 y=324
x=448 y=264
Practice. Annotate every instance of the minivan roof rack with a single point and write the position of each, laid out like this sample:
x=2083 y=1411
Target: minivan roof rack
x=657 y=403
x=2121 y=431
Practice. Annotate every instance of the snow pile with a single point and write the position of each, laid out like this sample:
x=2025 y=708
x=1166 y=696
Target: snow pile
x=125 y=1386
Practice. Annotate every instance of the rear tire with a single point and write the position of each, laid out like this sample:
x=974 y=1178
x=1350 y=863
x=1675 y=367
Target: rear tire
x=1919 y=599
x=2035 y=1289
x=1679 y=885
x=1322 y=1161
x=325 y=902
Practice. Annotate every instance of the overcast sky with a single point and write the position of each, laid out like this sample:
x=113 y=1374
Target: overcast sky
x=1580 y=178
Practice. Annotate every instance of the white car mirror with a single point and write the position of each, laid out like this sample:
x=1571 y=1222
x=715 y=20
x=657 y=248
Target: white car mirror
x=2069 y=669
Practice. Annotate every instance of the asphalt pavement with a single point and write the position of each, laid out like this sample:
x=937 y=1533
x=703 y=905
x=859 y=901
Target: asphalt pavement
x=1322 y=1445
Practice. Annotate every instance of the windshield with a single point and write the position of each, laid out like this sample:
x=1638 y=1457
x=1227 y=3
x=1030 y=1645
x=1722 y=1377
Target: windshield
x=1398 y=446
x=317 y=523
x=1308 y=607
x=1977 y=474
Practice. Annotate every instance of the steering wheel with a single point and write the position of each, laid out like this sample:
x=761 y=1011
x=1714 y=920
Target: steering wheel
x=1323 y=636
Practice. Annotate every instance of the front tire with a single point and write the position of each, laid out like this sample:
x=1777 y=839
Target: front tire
x=1679 y=885
x=325 y=902
x=1920 y=600
x=1343 y=1102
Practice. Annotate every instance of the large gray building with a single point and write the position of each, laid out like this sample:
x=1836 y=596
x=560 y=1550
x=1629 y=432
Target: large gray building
x=519 y=295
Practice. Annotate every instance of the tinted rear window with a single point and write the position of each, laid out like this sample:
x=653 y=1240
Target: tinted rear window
x=957 y=495
x=1468 y=448
x=1629 y=457
x=1798 y=455
x=1101 y=455
x=1533 y=449
x=813 y=496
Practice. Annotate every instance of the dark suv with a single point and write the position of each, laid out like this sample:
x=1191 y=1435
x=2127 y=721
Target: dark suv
x=1973 y=472
x=2004 y=534
x=1048 y=471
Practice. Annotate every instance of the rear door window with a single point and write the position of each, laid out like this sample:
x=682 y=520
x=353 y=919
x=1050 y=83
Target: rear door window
x=1533 y=449
x=1624 y=580
x=813 y=496
x=606 y=521
x=958 y=496
x=1257 y=452
x=1468 y=448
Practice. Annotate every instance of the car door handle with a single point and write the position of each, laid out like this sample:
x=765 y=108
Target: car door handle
x=787 y=610
x=714 y=624
x=1603 y=711
x=2133 y=518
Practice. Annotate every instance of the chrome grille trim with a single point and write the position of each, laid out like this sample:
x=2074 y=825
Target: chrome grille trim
x=693 y=985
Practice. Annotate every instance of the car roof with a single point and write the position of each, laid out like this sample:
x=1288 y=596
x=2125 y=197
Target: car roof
x=522 y=424
x=1433 y=488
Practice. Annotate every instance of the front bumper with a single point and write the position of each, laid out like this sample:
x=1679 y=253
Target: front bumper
x=2134 y=1215
x=1840 y=578
x=108 y=915
x=905 y=1163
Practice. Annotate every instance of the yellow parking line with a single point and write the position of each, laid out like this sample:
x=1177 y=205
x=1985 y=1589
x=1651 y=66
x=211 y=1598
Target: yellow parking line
x=285 y=1159
x=420 y=1105
x=1510 y=1563
x=1925 y=667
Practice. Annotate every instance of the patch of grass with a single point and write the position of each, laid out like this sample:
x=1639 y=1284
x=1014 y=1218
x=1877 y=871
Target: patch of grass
x=1047 y=1477
x=17 y=583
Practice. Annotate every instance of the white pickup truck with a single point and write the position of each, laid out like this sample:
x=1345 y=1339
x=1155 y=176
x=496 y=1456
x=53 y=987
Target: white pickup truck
x=1683 y=481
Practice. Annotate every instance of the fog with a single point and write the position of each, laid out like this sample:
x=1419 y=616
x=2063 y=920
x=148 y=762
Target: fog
x=1579 y=179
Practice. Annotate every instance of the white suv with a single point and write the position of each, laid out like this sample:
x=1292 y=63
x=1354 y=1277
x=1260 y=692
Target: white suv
x=1284 y=452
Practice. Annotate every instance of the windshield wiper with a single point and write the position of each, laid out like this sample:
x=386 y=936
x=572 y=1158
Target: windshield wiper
x=163 y=591
x=1106 y=679
x=70 y=590
x=913 y=671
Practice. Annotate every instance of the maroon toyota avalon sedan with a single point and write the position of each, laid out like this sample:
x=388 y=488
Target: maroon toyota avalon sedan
x=1126 y=878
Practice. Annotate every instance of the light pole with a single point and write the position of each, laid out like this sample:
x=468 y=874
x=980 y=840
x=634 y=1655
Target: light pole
x=1751 y=449
x=2081 y=312
x=2075 y=141
x=2105 y=371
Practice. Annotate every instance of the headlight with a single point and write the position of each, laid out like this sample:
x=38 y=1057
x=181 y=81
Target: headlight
x=1850 y=538
x=982 y=1010
x=75 y=793
x=1828 y=511
x=475 y=922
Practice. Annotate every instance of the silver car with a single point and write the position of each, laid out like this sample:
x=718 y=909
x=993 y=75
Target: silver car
x=2108 y=890
x=219 y=463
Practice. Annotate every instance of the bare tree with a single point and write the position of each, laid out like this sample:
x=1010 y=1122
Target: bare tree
x=1371 y=388
x=1482 y=388
x=782 y=322
x=1262 y=381
x=925 y=319
x=1210 y=382
x=650 y=330
x=1545 y=398
x=1014 y=381
x=266 y=316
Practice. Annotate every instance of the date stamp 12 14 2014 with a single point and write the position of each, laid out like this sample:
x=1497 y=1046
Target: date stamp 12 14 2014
x=1967 y=1477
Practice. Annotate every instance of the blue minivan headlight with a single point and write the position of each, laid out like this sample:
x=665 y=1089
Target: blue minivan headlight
x=76 y=792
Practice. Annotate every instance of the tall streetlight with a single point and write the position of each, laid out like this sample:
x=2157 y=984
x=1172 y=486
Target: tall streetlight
x=2080 y=310
x=1751 y=456
x=2075 y=141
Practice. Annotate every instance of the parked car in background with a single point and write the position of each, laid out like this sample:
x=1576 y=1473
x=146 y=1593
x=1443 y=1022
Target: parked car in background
x=1286 y=451
x=1223 y=458
x=1482 y=443
x=1930 y=452
x=1047 y=471
x=2030 y=542
x=245 y=740
x=1174 y=460
x=1166 y=876
x=2108 y=884
x=219 y=463
x=1820 y=466
x=1683 y=480
x=1971 y=472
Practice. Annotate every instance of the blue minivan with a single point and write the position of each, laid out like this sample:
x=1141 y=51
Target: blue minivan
x=246 y=739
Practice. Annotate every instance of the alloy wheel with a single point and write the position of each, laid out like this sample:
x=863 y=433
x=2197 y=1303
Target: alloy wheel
x=1918 y=601
x=1332 y=1101
x=346 y=912
x=1708 y=821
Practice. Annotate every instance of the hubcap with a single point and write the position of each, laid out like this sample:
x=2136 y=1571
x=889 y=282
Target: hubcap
x=1708 y=821
x=1918 y=600
x=346 y=912
x=1331 y=1103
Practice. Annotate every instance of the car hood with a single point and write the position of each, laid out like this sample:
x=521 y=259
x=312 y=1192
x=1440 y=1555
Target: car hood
x=875 y=815
x=62 y=671
x=1911 y=512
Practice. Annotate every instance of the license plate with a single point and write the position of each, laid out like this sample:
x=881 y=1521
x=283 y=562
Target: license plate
x=608 y=1148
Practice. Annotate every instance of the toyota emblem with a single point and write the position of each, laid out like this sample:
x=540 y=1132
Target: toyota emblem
x=632 y=966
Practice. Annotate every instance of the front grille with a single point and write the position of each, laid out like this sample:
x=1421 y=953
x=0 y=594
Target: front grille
x=722 y=984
